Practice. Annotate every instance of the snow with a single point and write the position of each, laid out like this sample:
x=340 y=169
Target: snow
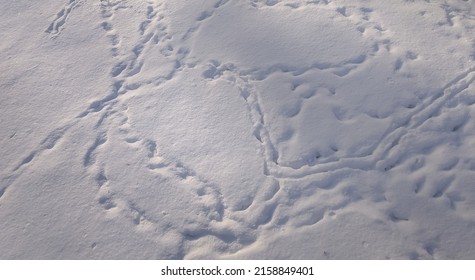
x=284 y=129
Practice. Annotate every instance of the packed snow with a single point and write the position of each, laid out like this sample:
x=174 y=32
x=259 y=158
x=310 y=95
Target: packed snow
x=237 y=129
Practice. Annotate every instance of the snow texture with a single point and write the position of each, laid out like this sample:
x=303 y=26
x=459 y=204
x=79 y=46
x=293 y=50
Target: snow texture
x=249 y=129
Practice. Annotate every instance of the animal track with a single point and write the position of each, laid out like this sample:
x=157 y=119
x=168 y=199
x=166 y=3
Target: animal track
x=101 y=178
x=26 y=160
x=47 y=144
x=61 y=17
x=441 y=186
x=106 y=202
x=89 y=157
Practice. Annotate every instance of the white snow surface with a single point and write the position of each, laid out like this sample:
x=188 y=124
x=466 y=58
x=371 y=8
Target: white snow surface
x=237 y=129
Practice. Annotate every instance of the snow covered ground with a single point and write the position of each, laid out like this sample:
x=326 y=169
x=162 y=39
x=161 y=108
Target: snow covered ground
x=266 y=129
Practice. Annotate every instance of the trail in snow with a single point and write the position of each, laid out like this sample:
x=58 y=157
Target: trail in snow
x=215 y=139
